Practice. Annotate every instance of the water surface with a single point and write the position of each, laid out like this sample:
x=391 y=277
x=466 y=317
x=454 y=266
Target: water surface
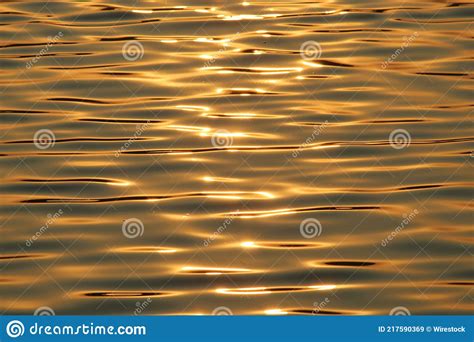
x=168 y=157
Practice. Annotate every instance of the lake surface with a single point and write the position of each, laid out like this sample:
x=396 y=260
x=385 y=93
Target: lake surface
x=219 y=157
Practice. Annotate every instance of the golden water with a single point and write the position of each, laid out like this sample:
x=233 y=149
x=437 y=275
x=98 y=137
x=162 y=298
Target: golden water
x=220 y=156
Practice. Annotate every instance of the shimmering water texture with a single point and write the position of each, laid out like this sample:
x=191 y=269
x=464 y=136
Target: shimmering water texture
x=223 y=157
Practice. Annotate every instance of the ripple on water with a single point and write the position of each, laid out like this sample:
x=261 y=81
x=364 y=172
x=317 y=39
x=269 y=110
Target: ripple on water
x=214 y=270
x=127 y=294
x=283 y=245
x=350 y=263
x=312 y=311
x=276 y=289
